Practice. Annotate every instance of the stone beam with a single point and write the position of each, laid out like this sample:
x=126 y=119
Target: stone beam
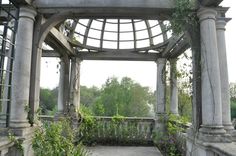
x=181 y=48
x=50 y=53
x=108 y=8
x=59 y=39
x=127 y=56
x=19 y=2
x=173 y=42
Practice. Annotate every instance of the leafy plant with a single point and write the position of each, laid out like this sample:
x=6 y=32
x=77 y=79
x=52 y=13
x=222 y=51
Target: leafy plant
x=182 y=16
x=57 y=139
x=168 y=141
x=114 y=130
x=17 y=142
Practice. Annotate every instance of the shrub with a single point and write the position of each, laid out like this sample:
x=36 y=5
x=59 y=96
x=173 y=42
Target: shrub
x=57 y=139
x=169 y=142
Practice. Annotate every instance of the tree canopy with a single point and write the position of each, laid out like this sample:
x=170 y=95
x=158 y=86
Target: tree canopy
x=125 y=98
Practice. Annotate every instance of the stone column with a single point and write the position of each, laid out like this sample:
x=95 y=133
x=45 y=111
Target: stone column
x=35 y=73
x=161 y=87
x=75 y=83
x=63 y=89
x=225 y=95
x=60 y=97
x=173 y=87
x=21 y=69
x=211 y=87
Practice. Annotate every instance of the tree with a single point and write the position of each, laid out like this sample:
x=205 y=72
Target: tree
x=233 y=99
x=88 y=96
x=48 y=100
x=125 y=98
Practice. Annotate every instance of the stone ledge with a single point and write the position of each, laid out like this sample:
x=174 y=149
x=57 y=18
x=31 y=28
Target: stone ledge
x=23 y=132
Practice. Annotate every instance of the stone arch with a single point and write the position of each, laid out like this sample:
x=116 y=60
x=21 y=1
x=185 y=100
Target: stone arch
x=49 y=24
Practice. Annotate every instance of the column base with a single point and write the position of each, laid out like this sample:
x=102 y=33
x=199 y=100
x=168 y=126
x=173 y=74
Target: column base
x=3 y=132
x=19 y=124
x=213 y=134
x=21 y=132
x=233 y=134
x=160 y=122
x=24 y=136
x=228 y=127
x=2 y=123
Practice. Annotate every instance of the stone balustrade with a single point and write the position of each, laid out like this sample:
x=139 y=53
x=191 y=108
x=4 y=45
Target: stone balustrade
x=124 y=130
x=108 y=130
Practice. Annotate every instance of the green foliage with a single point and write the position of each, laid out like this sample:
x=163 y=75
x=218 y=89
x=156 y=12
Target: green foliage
x=183 y=16
x=184 y=104
x=233 y=100
x=88 y=96
x=17 y=142
x=125 y=98
x=87 y=127
x=117 y=119
x=233 y=107
x=48 y=100
x=109 y=130
x=57 y=139
x=168 y=141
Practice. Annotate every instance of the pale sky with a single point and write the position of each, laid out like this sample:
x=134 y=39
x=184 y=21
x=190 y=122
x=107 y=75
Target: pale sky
x=96 y=72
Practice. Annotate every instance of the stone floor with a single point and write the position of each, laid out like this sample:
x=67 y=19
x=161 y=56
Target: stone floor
x=124 y=151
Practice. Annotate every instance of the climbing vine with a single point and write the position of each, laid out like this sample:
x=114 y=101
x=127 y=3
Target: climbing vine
x=17 y=142
x=183 y=16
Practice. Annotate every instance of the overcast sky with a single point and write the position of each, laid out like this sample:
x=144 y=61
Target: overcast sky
x=96 y=72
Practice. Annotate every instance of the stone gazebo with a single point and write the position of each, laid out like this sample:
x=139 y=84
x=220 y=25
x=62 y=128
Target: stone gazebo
x=133 y=30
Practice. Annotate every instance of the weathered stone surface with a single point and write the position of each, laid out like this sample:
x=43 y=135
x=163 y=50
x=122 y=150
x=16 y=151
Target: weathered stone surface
x=161 y=84
x=173 y=87
x=21 y=68
x=225 y=96
x=108 y=8
x=211 y=89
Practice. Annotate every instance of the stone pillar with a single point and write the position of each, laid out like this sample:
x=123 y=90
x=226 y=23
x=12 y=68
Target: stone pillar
x=21 y=69
x=173 y=87
x=225 y=95
x=211 y=87
x=161 y=87
x=63 y=89
x=35 y=74
x=75 y=83
x=60 y=97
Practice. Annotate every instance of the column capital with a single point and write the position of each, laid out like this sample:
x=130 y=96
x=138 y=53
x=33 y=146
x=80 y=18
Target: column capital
x=27 y=12
x=221 y=23
x=206 y=13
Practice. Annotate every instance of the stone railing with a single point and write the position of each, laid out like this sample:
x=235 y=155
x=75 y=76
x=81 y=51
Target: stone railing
x=126 y=130
x=108 y=130
x=44 y=118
